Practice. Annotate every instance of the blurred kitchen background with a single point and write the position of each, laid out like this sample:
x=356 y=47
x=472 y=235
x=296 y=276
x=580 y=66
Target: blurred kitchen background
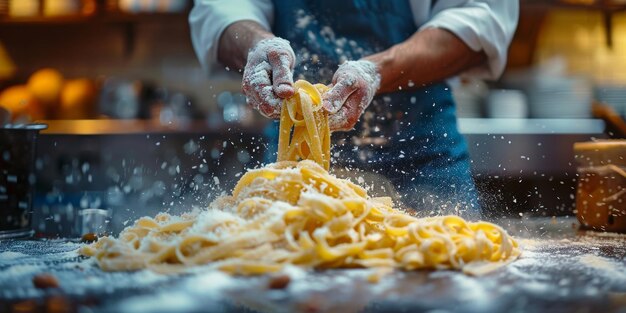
x=135 y=126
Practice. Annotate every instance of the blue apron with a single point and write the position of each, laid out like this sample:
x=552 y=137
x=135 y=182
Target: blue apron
x=410 y=137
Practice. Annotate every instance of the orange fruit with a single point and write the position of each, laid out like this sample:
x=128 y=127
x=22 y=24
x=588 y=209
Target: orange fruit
x=21 y=103
x=77 y=99
x=46 y=85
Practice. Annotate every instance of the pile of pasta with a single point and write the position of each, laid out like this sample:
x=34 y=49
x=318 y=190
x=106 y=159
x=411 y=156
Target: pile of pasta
x=296 y=212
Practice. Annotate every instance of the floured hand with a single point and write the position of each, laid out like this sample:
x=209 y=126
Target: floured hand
x=353 y=87
x=268 y=75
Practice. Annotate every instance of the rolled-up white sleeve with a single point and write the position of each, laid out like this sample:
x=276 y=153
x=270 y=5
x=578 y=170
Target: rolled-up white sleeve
x=209 y=18
x=484 y=25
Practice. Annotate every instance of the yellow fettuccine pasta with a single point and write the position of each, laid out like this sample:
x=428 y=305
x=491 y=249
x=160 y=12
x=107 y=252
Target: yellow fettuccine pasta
x=297 y=213
x=304 y=132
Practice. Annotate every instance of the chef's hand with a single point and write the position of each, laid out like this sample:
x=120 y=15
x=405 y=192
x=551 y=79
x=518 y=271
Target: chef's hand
x=353 y=87
x=268 y=75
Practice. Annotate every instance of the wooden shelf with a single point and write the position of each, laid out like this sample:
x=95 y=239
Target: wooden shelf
x=116 y=17
x=126 y=22
x=44 y=20
x=600 y=5
x=135 y=127
x=102 y=11
x=607 y=7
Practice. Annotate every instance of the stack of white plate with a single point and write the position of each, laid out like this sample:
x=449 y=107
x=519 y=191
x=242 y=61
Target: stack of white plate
x=469 y=97
x=560 y=97
x=507 y=103
x=612 y=95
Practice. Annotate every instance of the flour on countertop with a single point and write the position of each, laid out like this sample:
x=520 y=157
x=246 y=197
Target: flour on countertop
x=549 y=268
x=206 y=286
x=604 y=266
x=597 y=262
x=10 y=255
x=20 y=269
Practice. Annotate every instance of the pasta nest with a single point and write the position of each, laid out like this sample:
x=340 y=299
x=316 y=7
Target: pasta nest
x=297 y=213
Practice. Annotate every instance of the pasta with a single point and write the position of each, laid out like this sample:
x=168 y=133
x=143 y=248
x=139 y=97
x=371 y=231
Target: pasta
x=304 y=133
x=294 y=212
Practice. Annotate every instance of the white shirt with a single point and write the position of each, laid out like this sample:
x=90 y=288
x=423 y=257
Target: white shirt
x=484 y=25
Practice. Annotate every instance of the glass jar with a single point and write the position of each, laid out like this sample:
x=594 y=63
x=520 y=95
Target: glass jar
x=17 y=177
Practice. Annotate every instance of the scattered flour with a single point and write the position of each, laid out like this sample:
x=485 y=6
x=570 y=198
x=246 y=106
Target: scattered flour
x=11 y=255
x=472 y=289
x=597 y=262
x=207 y=286
x=606 y=266
x=294 y=272
x=177 y=301
x=21 y=269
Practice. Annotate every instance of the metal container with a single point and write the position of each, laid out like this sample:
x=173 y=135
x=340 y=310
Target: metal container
x=601 y=195
x=17 y=177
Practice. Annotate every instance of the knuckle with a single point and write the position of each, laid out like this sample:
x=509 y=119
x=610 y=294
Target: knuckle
x=333 y=95
x=352 y=118
x=360 y=83
x=273 y=54
x=269 y=110
x=265 y=110
x=253 y=104
x=249 y=90
x=280 y=74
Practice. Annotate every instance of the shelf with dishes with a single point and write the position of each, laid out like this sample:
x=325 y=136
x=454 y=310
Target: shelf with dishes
x=36 y=12
x=604 y=5
x=85 y=106
x=467 y=126
x=608 y=8
x=546 y=91
x=49 y=95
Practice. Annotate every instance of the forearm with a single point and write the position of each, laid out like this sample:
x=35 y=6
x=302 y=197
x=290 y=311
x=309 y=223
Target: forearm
x=428 y=56
x=237 y=40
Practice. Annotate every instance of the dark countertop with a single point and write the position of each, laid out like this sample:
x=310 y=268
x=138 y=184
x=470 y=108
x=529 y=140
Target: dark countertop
x=561 y=269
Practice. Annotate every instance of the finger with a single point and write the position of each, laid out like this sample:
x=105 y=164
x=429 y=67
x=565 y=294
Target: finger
x=270 y=107
x=282 y=76
x=265 y=102
x=257 y=87
x=348 y=115
x=335 y=98
x=267 y=109
x=253 y=99
x=256 y=77
x=339 y=121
